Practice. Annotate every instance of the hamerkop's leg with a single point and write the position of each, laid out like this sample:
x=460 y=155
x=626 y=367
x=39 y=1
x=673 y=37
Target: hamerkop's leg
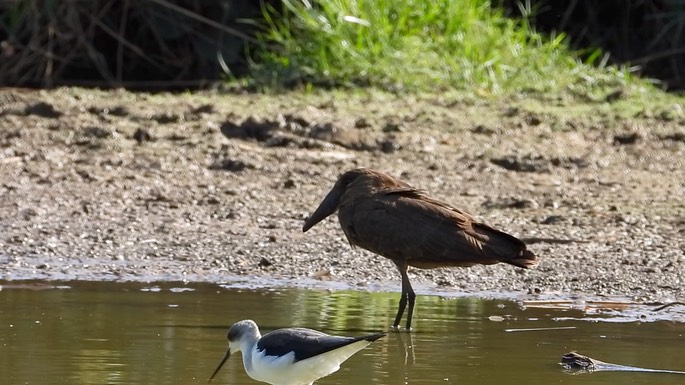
x=411 y=297
x=408 y=295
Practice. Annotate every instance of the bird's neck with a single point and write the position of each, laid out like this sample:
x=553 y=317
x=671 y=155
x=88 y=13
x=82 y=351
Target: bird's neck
x=247 y=347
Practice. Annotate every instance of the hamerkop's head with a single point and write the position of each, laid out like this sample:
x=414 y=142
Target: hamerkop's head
x=353 y=184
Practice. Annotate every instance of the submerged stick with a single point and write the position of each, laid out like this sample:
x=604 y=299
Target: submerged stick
x=539 y=329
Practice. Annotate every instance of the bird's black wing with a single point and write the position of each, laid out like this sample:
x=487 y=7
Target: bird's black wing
x=305 y=343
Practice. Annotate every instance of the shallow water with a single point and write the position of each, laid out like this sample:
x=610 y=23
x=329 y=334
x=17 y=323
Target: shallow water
x=107 y=333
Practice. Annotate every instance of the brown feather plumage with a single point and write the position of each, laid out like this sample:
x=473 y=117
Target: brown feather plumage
x=387 y=216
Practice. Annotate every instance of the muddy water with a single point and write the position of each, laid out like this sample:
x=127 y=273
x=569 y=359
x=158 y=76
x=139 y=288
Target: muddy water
x=104 y=333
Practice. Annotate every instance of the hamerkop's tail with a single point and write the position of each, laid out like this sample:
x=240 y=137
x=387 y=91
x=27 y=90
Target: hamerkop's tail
x=526 y=259
x=506 y=247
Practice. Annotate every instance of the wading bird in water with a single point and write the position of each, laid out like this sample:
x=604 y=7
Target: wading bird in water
x=388 y=217
x=290 y=356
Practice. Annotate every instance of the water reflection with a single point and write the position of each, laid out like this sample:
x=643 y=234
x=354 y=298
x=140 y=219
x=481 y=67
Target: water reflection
x=104 y=333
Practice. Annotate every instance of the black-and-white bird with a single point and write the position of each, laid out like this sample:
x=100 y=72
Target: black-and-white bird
x=290 y=356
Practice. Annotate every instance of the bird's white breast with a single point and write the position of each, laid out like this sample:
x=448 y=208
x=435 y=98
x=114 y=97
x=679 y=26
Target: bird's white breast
x=282 y=370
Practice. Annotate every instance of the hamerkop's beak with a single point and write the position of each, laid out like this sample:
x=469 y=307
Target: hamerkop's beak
x=327 y=207
x=228 y=354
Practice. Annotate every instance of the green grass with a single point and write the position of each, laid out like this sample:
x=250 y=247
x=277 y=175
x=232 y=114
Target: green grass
x=425 y=46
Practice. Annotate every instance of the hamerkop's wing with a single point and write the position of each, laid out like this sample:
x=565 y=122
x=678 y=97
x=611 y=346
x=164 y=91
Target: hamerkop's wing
x=406 y=224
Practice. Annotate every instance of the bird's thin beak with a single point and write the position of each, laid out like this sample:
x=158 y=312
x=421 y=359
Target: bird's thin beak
x=327 y=207
x=228 y=354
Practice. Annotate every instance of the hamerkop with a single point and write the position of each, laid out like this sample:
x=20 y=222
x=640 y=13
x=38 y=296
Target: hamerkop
x=387 y=216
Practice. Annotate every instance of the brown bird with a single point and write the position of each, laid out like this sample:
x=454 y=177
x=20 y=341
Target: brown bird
x=387 y=216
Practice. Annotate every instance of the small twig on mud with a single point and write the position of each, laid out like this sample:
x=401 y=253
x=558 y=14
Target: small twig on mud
x=662 y=307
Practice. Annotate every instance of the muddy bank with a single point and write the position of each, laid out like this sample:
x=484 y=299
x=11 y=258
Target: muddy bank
x=205 y=187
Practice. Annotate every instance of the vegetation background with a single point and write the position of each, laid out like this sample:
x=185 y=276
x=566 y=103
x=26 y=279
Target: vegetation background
x=585 y=48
